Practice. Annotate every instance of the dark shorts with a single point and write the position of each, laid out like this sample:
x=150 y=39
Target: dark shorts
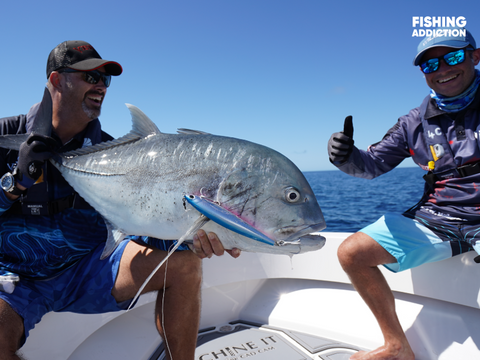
x=420 y=240
x=85 y=288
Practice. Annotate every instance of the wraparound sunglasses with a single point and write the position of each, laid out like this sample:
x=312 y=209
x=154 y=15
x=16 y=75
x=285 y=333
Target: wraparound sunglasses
x=91 y=76
x=452 y=58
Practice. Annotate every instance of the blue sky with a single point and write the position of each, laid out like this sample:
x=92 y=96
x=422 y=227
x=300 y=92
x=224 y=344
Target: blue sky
x=281 y=73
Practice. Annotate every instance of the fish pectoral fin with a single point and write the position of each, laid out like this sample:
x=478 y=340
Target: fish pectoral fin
x=226 y=219
x=202 y=220
x=115 y=237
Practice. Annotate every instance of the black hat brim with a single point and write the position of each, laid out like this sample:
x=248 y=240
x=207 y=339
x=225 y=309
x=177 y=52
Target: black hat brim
x=111 y=67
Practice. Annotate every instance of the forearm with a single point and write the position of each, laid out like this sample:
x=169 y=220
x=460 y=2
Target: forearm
x=365 y=165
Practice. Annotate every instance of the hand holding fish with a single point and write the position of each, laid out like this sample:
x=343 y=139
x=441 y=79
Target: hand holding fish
x=205 y=246
x=32 y=155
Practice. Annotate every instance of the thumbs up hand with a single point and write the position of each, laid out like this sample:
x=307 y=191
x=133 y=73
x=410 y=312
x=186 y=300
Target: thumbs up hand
x=340 y=145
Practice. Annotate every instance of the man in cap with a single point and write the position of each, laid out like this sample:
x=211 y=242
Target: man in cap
x=51 y=239
x=441 y=137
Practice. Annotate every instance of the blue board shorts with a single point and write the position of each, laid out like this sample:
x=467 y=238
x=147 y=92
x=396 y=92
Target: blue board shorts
x=422 y=239
x=84 y=288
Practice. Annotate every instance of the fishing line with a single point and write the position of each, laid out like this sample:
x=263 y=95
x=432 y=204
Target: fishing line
x=193 y=229
x=202 y=220
x=163 y=305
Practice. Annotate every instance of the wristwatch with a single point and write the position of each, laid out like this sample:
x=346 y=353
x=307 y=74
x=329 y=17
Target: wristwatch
x=8 y=184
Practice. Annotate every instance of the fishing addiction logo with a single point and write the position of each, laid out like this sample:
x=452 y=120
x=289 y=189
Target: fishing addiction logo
x=427 y=26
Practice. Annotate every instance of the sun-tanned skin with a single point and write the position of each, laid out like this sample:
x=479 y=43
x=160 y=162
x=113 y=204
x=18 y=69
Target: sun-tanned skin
x=360 y=255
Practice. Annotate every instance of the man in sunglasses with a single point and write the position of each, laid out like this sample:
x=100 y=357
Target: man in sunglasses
x=442 y=136
x=51 y=239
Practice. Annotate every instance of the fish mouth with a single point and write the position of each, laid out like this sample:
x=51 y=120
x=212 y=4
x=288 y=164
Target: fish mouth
x=293 y=233
x=307 y=242
x=299 y=238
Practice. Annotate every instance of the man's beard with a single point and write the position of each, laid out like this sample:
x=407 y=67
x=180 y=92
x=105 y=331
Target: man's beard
x=91 y=113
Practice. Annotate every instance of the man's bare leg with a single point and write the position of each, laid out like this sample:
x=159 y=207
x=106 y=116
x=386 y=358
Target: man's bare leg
x=178 y=309
x=360 y=256
x=11 y=332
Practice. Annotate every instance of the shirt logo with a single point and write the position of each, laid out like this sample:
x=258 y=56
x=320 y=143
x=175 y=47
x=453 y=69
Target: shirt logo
x=437 y=132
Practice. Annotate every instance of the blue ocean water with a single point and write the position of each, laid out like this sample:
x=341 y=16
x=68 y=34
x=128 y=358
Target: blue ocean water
x=348 y=203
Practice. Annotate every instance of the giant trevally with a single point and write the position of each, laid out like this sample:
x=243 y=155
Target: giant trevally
x=149 y=183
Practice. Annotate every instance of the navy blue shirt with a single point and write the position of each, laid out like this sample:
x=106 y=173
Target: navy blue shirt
x=35 y=246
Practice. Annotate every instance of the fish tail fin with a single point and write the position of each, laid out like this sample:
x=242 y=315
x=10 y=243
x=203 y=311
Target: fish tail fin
x=12 y=142
x=42 y=124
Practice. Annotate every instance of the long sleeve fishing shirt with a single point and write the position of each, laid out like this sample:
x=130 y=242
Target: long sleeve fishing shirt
x=453 y=195
x=39 y=246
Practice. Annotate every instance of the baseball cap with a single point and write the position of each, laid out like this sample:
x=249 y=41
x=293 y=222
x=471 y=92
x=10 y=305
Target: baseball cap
x=448 y=40
x=79 y=55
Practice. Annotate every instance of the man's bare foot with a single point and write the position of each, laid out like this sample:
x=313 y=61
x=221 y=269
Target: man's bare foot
x=385 y=353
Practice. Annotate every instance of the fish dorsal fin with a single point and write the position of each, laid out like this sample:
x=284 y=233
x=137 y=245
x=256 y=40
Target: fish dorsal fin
x=142 y=127
x=141 y=123
x=191 y=132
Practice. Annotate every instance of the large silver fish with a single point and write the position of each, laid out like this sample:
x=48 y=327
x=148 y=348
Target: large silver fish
x=148 y=183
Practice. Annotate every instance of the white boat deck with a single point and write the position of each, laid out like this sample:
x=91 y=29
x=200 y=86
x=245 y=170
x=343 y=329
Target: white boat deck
x=306 y=302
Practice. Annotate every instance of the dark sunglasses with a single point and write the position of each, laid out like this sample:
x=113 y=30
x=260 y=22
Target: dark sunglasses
x=92 y=76
x=452 y=58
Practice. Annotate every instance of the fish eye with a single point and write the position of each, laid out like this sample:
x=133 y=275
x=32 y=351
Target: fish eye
x=292 y=195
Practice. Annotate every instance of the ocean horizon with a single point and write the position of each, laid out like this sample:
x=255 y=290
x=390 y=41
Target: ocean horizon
x=349 y=204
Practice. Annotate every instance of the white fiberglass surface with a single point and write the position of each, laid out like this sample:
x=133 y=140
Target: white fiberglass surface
x=437 y=306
